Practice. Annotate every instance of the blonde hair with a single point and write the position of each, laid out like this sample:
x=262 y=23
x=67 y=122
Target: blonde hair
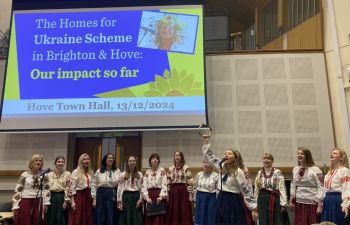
x=80 y=168
x=33 y=159
x=343 y=158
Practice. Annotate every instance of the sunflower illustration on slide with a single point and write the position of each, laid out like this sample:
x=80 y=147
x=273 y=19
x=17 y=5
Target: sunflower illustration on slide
x=169 y=84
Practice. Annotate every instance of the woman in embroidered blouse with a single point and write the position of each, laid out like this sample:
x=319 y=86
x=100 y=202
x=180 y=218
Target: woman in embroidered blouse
x=306 y=191
x=154 y=189
x=59 y=181
x=248 y=178
x=27 y=201
x=103 y=192
x=80 y=212
x=129 y=197
x=270 y=192
x=205 y=186
x=180 y=185
x=336 y=203
x=233 y=183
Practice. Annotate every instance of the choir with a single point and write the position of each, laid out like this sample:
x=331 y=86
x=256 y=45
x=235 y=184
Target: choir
x=225 y=196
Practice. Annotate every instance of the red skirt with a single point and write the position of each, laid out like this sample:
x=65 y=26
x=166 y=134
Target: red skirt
x=180 y=209
x=82 y=215
x=153 y=194
x=24 y=215
x=305 y=214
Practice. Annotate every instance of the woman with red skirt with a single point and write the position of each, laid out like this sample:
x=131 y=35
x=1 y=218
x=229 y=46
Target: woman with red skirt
x=32 y=195
x=80 y=212
x=306 y=191
x=180 y=185
x=154 y=190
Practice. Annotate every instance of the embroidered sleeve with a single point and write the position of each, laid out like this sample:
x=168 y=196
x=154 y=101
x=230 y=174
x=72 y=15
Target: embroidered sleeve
x=292 y=186
x=144 y=186
x=140 y=180
x=195 y=185
x=66 y=181
x=246 y=190
x=18 y=191
x=319 y=180
x=73 y=184
x=120 y=188
x=345 y=180
x=282 y=189
x=189 y=181
x=210 y=157
x=164 y=189
x=94 y=183
x=46 y=190
x=257 y=185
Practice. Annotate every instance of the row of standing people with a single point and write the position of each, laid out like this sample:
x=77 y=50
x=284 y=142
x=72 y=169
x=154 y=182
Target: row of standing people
x=82 y=190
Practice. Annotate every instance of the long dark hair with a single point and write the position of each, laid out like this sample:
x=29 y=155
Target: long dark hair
x=308 y=157
x=103 y=163
x=182 y=162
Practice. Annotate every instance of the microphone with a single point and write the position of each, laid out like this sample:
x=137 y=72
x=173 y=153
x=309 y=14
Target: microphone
x=43 y=172
x=222 y=161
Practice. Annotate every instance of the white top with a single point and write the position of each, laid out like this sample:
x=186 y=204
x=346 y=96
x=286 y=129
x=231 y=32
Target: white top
x=339 y=181
x=307 y=185
x=155 y=179
x=182 y=175
x=78 y=184
x=107 y=179
x=235 y=183
x=273 y=182
x=206 y=183
x=129 y=185
x=28 y=186
x=60 y=183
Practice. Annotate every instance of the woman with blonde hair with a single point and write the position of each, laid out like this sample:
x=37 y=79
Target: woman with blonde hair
x=129 y=196
x=229 y=210
x=336 y=203
x=59 y=181
x=32 y=195
x=80 y=212
x=241 y=165
x=270 y=191
x=306 y=191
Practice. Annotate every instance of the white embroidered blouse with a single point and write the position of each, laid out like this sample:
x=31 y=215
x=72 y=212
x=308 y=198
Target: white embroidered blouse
x=106 y=179
x=28 y=186
x=271 y=182
x=79 y=183
x=60 y=183
x=131 y=184
x=155 y=179
x=307 y=185
x=339 y=181
x=235 y=183
x=205 y=183
x=181 y=175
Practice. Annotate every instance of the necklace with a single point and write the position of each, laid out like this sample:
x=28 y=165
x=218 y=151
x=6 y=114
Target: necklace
x=264 y=173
